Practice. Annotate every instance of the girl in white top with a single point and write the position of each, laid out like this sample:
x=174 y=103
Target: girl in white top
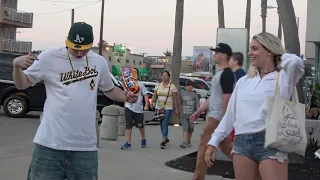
x=247 y=110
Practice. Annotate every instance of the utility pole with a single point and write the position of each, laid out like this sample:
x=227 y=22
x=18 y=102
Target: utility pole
x=101 y=29
x=72 y=16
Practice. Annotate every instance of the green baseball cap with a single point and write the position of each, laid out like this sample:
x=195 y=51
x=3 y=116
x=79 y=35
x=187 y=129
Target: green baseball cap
x=80 y=36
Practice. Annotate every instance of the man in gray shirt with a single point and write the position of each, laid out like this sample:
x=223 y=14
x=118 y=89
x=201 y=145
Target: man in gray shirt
x=188 y=105
x=222 y=87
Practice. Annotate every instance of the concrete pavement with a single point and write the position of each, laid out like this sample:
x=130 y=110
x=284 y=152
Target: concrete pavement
x=16 y=147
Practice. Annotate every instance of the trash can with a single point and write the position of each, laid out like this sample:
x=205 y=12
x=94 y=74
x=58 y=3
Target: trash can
x=109 y=125
x=98 y=119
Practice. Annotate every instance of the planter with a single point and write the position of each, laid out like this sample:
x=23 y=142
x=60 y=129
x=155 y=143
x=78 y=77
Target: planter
x=300 y=168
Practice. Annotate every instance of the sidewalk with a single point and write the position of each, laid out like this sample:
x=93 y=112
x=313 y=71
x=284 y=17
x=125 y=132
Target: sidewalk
x=146 y=164
x=114 y=164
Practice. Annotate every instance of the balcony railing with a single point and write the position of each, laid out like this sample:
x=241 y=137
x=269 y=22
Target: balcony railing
x=18 y=16
x=16 y=46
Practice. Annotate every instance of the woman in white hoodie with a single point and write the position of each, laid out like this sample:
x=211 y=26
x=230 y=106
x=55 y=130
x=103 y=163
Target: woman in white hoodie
x=247 y=110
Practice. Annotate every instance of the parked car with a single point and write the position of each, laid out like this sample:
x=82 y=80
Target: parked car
x=199 y=85
x=16 y=103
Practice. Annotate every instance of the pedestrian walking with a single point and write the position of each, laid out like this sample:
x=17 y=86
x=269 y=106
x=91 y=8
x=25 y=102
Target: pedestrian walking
x=189 y=103
x=134 y=116
x=235 y=63
x=222 y=87
x=165 y=93
x=247 y=110
x=66 y=142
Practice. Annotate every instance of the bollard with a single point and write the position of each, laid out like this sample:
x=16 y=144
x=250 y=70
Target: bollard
x=109 y=125
x=98 y=119
x=121 y=122
x=41 y=116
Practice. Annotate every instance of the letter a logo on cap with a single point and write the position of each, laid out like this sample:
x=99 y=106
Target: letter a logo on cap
x=79 y=39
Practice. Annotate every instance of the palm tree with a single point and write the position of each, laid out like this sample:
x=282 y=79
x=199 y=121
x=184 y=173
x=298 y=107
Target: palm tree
x=221 y=14
x=290 y=34
x=279 y=27
x=264 y=6
x=248 y=18
x=167 y=53
x=177 y=48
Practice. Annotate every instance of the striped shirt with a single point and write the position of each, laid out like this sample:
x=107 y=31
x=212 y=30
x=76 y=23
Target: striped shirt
x=162 y=93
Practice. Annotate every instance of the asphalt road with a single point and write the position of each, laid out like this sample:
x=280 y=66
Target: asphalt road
x=16 y=147
x=13 y=131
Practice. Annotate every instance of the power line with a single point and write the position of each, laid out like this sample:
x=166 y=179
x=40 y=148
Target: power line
x=56 y=5
x=93 y=2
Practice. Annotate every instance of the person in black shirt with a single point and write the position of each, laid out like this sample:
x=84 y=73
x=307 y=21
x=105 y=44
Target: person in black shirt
x=235 y=63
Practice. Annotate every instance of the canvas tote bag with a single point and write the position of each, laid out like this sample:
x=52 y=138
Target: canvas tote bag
x=285 y=123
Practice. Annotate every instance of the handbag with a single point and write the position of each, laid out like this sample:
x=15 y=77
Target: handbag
x=160 y=113
x=285 y=123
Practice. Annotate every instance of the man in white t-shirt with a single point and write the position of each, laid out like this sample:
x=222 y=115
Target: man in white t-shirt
x=134 y=116
x=66 y=142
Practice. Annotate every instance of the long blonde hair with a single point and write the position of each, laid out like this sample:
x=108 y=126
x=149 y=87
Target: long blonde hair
x=270 y=42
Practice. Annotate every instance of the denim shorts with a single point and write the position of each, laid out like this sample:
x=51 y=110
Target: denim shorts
x=51 y=164
x=252 y=146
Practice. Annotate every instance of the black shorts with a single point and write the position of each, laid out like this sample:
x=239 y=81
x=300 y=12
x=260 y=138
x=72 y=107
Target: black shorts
x=133 y=118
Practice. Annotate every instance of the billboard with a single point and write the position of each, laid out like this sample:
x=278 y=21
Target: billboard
x=202 y=59
x=237 y=39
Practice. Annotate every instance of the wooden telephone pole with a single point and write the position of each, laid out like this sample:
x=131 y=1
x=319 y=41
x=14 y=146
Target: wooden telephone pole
x=101 y=29
x=72 y=16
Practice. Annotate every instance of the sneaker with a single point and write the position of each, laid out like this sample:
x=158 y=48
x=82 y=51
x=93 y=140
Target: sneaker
x=184 y=145
x=189 y=144
x=163 y=145
x=126 y=146
x=167 y=141
x=143 y=143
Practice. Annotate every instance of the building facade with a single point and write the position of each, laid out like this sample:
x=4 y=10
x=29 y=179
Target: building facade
x=158 y=64
x=11 y=19
x=118 y=59
x=312 y=49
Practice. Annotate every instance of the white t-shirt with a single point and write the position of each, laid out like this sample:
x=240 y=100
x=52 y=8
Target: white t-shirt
x=138 y=106
x=69 y=112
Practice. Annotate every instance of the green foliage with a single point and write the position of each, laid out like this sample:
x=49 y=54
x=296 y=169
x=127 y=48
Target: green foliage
x=167 y=53
x=316 y=93
x=313 y=144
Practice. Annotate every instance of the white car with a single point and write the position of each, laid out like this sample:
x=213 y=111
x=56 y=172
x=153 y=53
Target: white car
x=199 y=85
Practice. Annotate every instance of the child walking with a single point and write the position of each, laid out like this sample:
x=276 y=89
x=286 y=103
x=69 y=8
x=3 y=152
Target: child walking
x=189 y=103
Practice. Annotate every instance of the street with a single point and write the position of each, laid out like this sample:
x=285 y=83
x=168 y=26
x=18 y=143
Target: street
x=144 y=164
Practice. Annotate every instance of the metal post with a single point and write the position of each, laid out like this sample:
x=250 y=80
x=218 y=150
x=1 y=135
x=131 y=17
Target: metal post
x=101 y=29
x=72 y=16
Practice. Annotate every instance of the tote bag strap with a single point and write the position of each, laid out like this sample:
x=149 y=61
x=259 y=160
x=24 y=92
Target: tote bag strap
x=277 y=91
x=294 y=95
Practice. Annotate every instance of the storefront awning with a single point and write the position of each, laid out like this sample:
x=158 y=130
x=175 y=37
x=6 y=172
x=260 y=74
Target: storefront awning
x=143 y=72
x=116 y=70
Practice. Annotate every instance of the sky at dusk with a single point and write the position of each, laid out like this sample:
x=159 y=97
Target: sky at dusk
x=147 y=25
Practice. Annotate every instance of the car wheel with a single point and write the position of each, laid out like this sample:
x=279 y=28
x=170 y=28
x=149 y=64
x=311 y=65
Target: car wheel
x=15 y=106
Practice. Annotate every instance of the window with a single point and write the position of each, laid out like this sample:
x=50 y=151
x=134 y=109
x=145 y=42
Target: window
x=182 y=82
x=200 y=85
x=149 y=87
